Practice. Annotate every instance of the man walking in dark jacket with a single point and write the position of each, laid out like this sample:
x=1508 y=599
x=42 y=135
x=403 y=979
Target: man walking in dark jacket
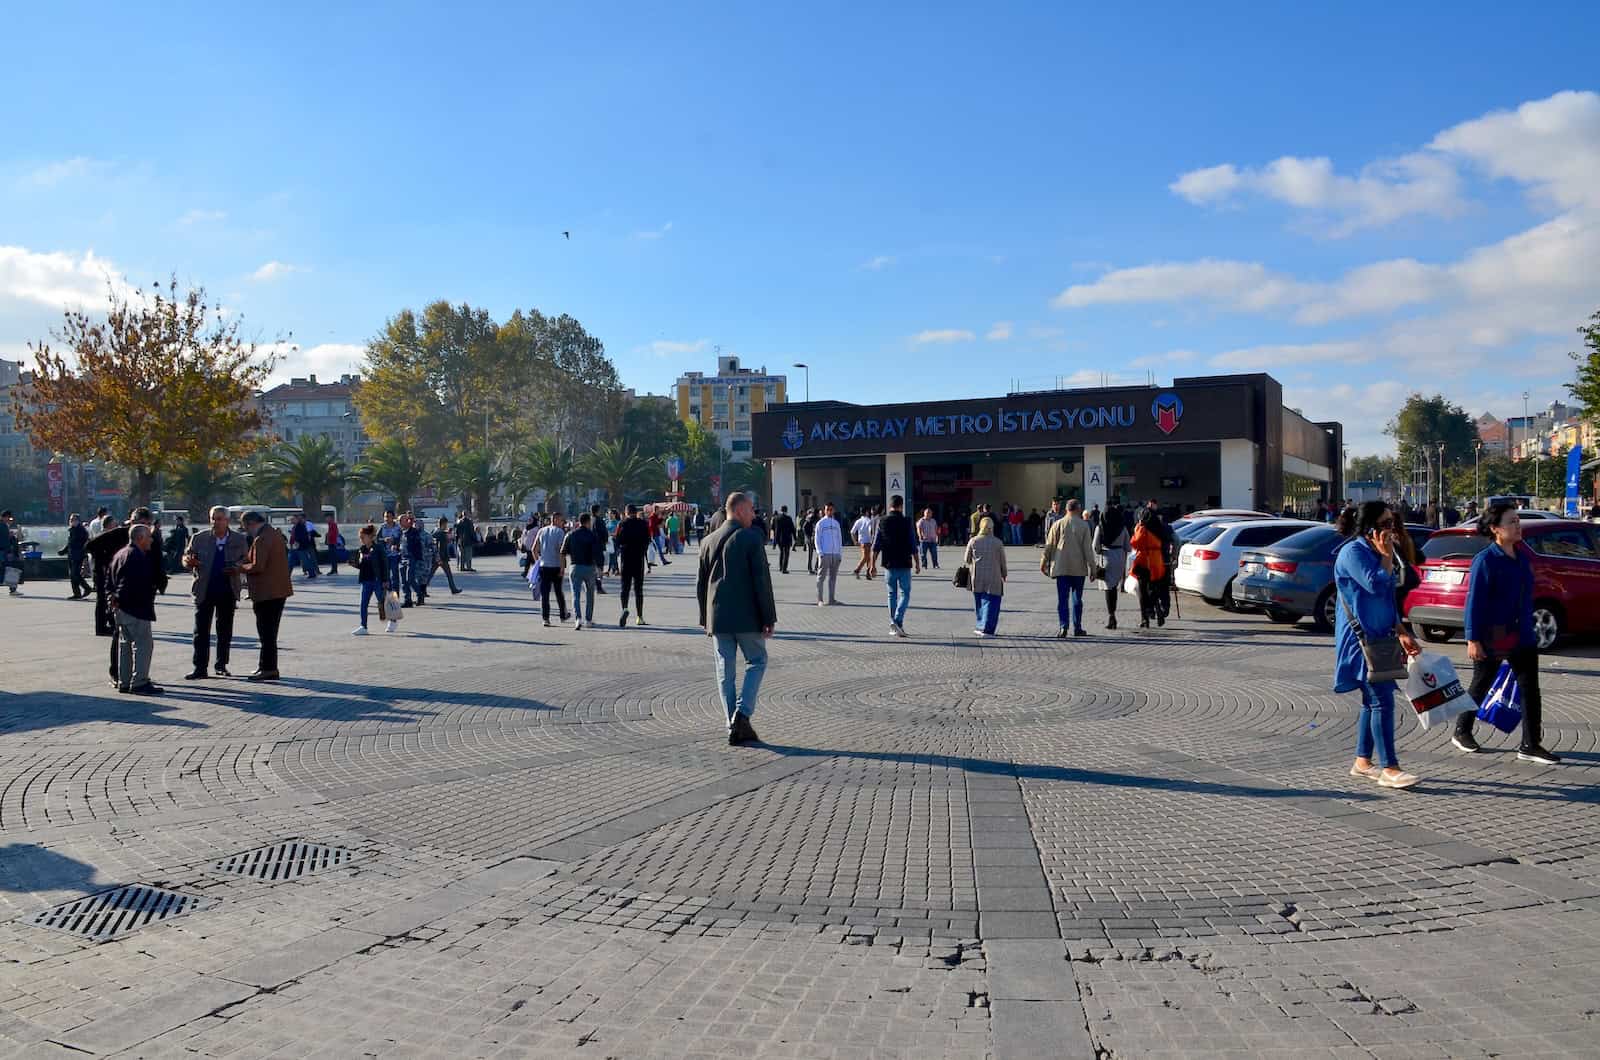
x=896 y=548
x=783 y=533
x=737 y=610
x=133 y=598
x=633 y=545
x=77 y=541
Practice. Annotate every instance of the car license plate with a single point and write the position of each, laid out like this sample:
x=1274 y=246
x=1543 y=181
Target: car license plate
x=1185 y=561
x=1446 y=577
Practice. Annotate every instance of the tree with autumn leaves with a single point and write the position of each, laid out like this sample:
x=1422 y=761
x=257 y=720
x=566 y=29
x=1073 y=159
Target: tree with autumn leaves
x=161 y=382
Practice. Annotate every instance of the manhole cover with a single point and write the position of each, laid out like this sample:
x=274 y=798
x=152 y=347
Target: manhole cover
x=112 y=914
x=284 y=861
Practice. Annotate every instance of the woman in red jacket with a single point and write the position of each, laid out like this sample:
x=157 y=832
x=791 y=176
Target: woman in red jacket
x=1148 y=566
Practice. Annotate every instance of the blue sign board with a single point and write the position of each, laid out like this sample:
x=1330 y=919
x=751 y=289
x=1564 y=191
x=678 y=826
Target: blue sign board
x=1574 y=465
x=675 y=467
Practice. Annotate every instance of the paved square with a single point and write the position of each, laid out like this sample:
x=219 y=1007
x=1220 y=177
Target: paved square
x=1143 y=843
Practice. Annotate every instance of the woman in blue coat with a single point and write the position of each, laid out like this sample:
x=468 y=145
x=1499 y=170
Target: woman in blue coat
x=1500 y=627
x=1365 y=576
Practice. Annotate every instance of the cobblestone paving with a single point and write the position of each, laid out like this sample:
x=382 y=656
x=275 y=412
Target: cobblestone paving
x=1144 y=843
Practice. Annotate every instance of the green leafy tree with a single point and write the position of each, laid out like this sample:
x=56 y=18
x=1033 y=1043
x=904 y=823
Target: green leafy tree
x=566 y=388
x=1585 y=389
x=202 y=483
x=392 y=467
x=310 y=468
x=653 y=428
x=544 y=465
x=1422 y=423
x=1373 y=468
x=748 y=476
x=472 y=475
x=702 y=456
x=261 y=483
x=617 y=468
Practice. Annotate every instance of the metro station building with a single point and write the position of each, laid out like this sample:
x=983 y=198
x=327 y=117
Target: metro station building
x=1205 y=442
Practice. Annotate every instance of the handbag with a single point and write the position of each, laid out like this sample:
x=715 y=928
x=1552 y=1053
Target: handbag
x=1435 y=692
x=1502 y=707
x=393 y=613
x=13 y=577
x=963 y=577
x=1130 y=584
x=1386 y=659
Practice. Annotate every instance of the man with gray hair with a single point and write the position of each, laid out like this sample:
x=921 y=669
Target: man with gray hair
x=133 y=598
x=734 y=588
x=1068 y=558
x=214 y=557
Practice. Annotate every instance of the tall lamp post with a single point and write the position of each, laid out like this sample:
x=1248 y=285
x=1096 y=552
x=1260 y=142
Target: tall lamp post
x=1441 y=485
x=1477 y=489
x=807 y=367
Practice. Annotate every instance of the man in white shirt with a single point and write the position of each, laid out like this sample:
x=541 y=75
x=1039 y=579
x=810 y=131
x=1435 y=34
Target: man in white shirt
x=830 y=554
x=928 y=539
x=865 y=532
x=547 y=563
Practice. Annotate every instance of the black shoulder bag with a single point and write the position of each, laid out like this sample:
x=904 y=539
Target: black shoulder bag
x=1386 y=659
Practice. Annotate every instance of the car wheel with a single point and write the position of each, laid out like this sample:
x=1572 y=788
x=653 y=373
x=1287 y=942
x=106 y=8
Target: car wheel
x=1323 y=613
x=1546 y=625
x=1281 y=617
x=1437 y=634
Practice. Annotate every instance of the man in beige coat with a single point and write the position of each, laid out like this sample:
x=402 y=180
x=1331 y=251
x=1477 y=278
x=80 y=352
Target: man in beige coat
x=214 y=556
x=1068 y=558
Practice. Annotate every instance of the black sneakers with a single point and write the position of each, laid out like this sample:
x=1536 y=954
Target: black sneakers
x=1463 y=741
x=1540 y=755
x=741 y=731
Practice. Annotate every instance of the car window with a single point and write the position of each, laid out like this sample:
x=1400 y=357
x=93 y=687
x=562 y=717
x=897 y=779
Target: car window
x=1314 y=538
x=1191 y=529
x=1440 y=545
x=1205 y=535
x=1566 y=543
x=1255 y=536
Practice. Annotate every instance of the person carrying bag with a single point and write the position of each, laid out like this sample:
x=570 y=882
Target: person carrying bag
x=1370 y=647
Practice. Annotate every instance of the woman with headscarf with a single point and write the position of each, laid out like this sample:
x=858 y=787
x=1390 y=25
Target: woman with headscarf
x=986 y=559
x=1111 y=549
x=1149 y=567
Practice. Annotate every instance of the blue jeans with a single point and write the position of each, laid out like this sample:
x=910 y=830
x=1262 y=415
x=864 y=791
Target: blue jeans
x=368 y=591
x=988 y=607
x=583 y=579
x=1069 y=589
x=394 y=569
x=1375 y=731
x=754 y=648
x=899 y=581
x=930 y=554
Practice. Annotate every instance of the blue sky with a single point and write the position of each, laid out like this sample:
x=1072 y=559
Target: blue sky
x=921 y=201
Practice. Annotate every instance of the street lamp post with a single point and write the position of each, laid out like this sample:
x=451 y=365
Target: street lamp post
x=807 y=367
x=1477 y=489
x=1441 y=484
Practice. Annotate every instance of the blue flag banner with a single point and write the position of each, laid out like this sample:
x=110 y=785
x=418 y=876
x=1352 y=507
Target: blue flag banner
x=1574 y=464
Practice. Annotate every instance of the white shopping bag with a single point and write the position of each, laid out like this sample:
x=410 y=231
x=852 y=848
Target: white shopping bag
x=1130 y=584
x=1436 y=693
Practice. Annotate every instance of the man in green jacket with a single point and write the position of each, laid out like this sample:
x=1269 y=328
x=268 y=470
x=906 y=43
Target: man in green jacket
x=734 y=587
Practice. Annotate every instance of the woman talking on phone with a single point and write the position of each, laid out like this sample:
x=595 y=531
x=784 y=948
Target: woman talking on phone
x=1365 y=577
x=1500 y=627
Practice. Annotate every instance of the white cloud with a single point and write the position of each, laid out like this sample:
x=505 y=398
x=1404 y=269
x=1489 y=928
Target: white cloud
x=1270 y=357
x=327 y=361
x=1381 y=287
x=274 y=270
x=1000 y=332
x=1242 y=285
x=877 y=264
x=201 y=217
x=669 y=348
x=942 y=336
x=57 y=280
x=654 y=233
x=50 y=174
x=1551 y=145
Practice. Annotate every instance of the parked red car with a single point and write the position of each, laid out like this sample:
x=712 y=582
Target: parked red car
x=1566 y=570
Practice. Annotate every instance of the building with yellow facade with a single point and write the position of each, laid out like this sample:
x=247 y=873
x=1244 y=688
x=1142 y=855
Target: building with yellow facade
x=723 y=403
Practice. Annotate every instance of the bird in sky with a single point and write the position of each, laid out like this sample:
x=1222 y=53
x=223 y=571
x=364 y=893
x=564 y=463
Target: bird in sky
x=567 y=234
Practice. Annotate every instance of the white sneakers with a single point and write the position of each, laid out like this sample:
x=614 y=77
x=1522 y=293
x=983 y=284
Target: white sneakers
x=359 y=631
x=577 y=623
x=896 y=630
x=392 y=627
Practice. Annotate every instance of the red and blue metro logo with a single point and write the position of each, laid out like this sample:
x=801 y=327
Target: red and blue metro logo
x=1167 y=410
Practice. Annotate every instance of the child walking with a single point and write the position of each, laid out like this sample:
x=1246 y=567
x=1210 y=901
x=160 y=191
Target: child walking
x=372 y=567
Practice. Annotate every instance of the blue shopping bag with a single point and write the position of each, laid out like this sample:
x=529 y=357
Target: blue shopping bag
x=1502 y=707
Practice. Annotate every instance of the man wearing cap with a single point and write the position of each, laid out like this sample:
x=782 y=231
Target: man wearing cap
x=266 y=567
x=214 y=556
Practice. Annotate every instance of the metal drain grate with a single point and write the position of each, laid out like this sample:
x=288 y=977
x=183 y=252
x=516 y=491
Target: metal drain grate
x=112 y=914
x=284 y=861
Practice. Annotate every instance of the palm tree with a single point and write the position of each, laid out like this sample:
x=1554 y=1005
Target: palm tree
x=617 y=467
x=391 y=467
x=472 y=474
x=310 y=468
x=745 y=476
x=201 y=483
x=544 y=465
x=260 y=481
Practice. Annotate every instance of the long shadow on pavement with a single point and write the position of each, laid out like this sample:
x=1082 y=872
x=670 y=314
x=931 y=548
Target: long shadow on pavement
x=28 y=711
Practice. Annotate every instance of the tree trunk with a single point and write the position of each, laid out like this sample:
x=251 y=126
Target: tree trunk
x=311 y=507
x=402 y=503
x=144 y=484
x=480 y=505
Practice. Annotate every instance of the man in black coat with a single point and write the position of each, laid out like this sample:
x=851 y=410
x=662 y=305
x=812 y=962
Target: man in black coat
x=633 y=546
x=734 y=588
x=102 y=549
x=132 y=591
x=77 y=541
x=783 y=532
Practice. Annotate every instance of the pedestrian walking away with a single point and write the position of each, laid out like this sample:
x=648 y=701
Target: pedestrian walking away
x=466 y=541
x=10 y=552
x=585 y=551
x=830 y=555
x=1150 y=568
x=548 y=564
x=895 y=546
x=76 y=552
x=302 y=545
x=928 y=539
x=1069 y=559
x=808 y=530
x=372 y=570
x=417 y=559
x=266 y=569
x=986 y=559
x=441 y=553
x=1499 y=619
x=133 y=597
x=862 y=531
x=783 y=535
x=633 y=551
x=1366 y=575
x=214 y=557
x=597 y=526
x=737 y=610
x=1111 y=554
x=334 y=541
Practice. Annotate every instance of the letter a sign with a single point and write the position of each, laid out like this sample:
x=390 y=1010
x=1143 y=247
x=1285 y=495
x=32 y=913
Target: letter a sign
x=1096 y=475
x=897 y=482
